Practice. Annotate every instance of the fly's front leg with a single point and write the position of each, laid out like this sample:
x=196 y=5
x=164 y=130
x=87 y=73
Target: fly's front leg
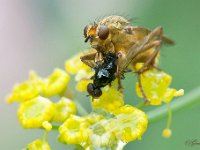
x=92 y=59
x=98 y=58
x=120 y=72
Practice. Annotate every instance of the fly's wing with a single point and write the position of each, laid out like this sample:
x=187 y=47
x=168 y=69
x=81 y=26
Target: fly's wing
x=153 y=39
x=142 y=32
x=168 y=41
x=136 y=49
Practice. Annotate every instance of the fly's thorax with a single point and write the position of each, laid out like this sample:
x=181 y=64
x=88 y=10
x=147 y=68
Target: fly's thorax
x=118 y=22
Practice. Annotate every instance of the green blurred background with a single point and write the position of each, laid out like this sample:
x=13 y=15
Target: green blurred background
x=42 y=34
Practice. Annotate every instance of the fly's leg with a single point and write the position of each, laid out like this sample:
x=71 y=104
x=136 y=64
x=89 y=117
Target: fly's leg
x=150 y=63
x=89 y=59
x=146 y=101
x=151 y=60
x=92 y=59
x=121 y=70
x=157 y=35
x=152 y=40
x=98 y=58
x=119 y=73
x=119 y=81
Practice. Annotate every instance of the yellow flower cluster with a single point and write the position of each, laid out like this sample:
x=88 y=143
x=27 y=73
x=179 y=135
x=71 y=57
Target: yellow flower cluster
x=26 y=90
x=155 y=84
x=110 y=100
x=74 y=65
x=35 y=106
x=38 y=145
x=110 y=124
x=75 y=130
x=126 y=125
x=55 y=84
x=63 y=109
x=83 y=73
x=34 y=112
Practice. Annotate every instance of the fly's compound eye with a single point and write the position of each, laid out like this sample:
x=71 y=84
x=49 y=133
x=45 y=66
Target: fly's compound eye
x=93 y=90
x=85 y=31
x=103 y=32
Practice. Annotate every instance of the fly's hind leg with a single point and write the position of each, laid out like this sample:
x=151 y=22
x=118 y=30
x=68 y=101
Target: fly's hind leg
x=147 y=65
x=150 y=63
x=154 y=37
x=153 y=40
x=146 y=101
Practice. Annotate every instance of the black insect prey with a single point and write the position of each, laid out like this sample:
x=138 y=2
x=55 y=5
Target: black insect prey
x=105 y=73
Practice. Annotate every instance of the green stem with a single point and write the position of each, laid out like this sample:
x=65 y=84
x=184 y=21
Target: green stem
x=81 y=109
x=187 y=100
x=141 y=105
x=55 y=127
x=45 y=136
x=169 y=120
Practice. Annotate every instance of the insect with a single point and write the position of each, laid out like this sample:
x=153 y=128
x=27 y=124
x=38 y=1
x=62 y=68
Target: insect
x=105 y=73
x=130 y=44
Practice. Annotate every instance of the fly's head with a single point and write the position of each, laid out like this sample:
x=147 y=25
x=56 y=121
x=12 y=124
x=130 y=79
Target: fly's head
x=105 y=33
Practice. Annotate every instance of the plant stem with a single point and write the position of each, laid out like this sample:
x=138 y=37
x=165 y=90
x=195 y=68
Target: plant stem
x=187 y=100
x=55 y=127
x=82 y=111
x=169 y=120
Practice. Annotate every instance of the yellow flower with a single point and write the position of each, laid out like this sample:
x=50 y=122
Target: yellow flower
x=167 y=133
x=129 y=123
x=56 y=83
x=179 y=93
x=84 y=74
x=63 y=109
x=75 y=130
x=81 y=86
x=26 y=90
x=47 y=126
x=34 y=112
x=74 y=65
x=38 y=145
x=156 y=87
x=93 y=118
x=110 y=100
x=102 y=138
